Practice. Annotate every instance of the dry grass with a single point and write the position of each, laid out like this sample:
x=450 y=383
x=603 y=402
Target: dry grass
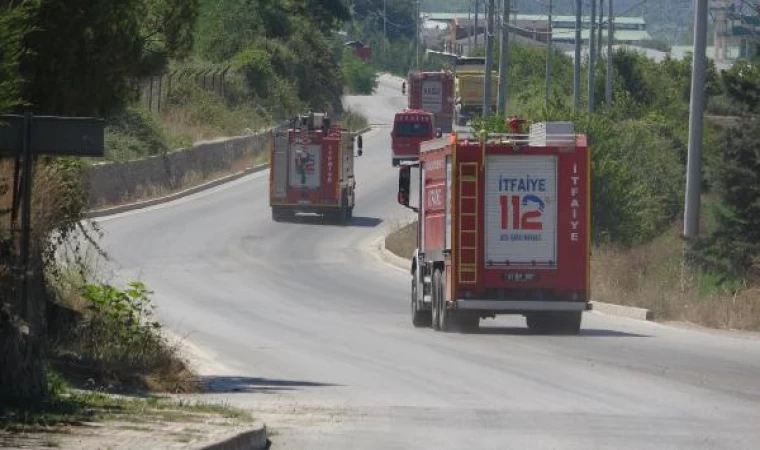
x=186 y=124
x=403 y=240
x=652 y=276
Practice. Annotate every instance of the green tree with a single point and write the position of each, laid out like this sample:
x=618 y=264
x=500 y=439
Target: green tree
x=360 y=77
x=13 y=29
x=83 y=55
x=733 y=248
x=742 y=84
x=325 y=14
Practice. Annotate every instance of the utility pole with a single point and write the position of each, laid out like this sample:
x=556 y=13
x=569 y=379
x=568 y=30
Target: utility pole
x=471 y=28
x=489 y=62
x=610 y=41
x=599 y=26
x=548 y=81
x=696 y=117
x=591 y=56
x=477 y=31
x=577 y=73
x=385 y=27
x=503 y=55
x=417 y=39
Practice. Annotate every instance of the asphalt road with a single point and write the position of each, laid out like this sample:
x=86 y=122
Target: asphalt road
x=304 y=324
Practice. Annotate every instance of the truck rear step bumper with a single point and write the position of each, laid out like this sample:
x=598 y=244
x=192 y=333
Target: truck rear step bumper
x=519 y=306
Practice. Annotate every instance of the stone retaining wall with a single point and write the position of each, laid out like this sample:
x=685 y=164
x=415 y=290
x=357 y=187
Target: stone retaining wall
x=114 y=183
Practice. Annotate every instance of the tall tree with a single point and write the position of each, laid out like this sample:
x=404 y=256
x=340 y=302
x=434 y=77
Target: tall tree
x=83 y=55
x=733 y=248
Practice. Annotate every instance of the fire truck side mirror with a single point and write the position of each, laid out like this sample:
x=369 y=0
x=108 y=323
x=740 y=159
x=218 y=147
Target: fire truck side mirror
x=360 y=144
x=404 y=180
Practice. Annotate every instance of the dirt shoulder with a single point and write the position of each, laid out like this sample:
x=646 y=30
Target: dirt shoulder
x=87 y=420
x=403 y=241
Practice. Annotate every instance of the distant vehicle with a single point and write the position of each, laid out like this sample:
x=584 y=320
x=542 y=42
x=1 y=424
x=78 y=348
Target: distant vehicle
x=312 y=170
x=410 y=128
x=361 y=50
x=469 y=88
x=433 y=92
x=503 y=229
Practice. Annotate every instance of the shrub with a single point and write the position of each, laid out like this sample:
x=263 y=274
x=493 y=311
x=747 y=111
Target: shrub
x=119 y=341
x=134 y=133
x=361 y=78
x=733 y=248
x=353 y=120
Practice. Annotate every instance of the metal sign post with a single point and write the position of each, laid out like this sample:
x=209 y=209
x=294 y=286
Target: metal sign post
x=25 y=137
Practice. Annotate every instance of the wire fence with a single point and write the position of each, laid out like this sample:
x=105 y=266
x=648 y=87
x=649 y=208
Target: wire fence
x=155 y=90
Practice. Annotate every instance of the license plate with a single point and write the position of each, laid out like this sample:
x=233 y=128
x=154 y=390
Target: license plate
x=520 y=277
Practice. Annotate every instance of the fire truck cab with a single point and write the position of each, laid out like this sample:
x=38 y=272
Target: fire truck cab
x=411 y=127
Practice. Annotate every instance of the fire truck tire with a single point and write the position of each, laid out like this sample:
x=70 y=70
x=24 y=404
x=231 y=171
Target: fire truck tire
x=541 y=323
x=436 y=309
x=342 y=216
x=279 y=214
x=445 y=316
x=421 y=318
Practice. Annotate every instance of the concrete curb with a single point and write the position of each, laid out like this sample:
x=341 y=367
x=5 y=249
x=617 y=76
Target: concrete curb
x=253 y=439
x=174 y=196
x=630 y=312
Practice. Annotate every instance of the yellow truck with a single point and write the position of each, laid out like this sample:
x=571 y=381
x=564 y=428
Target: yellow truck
x=469 y=88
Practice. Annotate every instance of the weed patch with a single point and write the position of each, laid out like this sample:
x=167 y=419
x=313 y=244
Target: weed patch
x=117 y=344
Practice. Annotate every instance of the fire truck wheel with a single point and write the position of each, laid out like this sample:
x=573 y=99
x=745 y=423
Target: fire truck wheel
x=342 y=216
x=540 y=322
x=420 y=317
x=445 y=316
x=436 y=299
x=278 y=214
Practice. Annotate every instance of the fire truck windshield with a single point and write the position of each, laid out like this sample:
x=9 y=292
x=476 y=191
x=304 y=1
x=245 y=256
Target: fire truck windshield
x=412 y=129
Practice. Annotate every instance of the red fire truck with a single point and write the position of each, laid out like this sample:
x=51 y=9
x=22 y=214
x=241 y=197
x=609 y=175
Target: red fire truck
x=312 y=169
x=411 y=127
x=503 y=229
x=434 y=93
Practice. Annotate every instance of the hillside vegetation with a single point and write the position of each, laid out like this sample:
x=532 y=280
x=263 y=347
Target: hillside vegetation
x=94 y=58
x=639 y=153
